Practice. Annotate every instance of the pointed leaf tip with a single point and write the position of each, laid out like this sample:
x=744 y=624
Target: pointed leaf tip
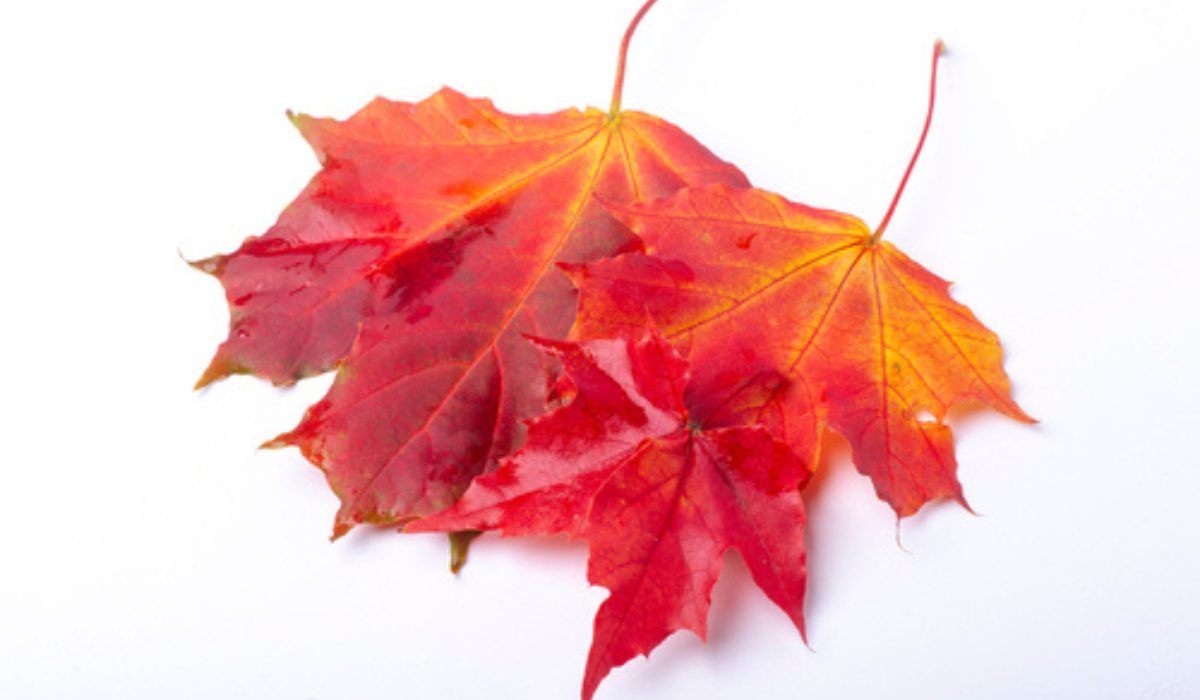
x=460 y=544
x=281 y=440
x=212 y=265
x=216 y=371
x=340 y=529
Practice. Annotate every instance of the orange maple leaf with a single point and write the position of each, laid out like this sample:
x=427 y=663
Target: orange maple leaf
x=875 y=347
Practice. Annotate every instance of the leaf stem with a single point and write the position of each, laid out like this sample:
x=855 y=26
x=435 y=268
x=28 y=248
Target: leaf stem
x=938 y=49
x=618 y=85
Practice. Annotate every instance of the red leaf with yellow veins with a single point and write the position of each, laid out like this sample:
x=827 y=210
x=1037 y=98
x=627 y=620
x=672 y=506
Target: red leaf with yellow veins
x=416 y=258
x=658 y=491
x=874 y=346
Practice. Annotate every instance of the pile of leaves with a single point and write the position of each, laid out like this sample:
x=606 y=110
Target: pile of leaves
x=585 y=323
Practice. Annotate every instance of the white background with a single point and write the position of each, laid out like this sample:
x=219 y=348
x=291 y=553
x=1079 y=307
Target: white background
x=147 y=550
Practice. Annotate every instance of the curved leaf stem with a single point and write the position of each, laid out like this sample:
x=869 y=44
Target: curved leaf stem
x=938 y=49
x=618 y=85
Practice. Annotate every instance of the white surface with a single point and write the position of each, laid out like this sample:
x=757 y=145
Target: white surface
x=149 y=551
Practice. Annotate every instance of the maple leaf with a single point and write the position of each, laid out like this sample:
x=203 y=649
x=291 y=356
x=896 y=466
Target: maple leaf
x=659 y=492
x=416 y=259
x=874 y=345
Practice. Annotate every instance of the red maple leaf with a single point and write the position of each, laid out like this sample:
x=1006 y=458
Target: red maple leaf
x=417 y=258
x=659 y=493
x=874 y=346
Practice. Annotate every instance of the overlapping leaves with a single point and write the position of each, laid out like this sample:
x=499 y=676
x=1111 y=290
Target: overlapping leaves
x=872 y=343
x=445 y=251
x=417 y=258
x=657 y=490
